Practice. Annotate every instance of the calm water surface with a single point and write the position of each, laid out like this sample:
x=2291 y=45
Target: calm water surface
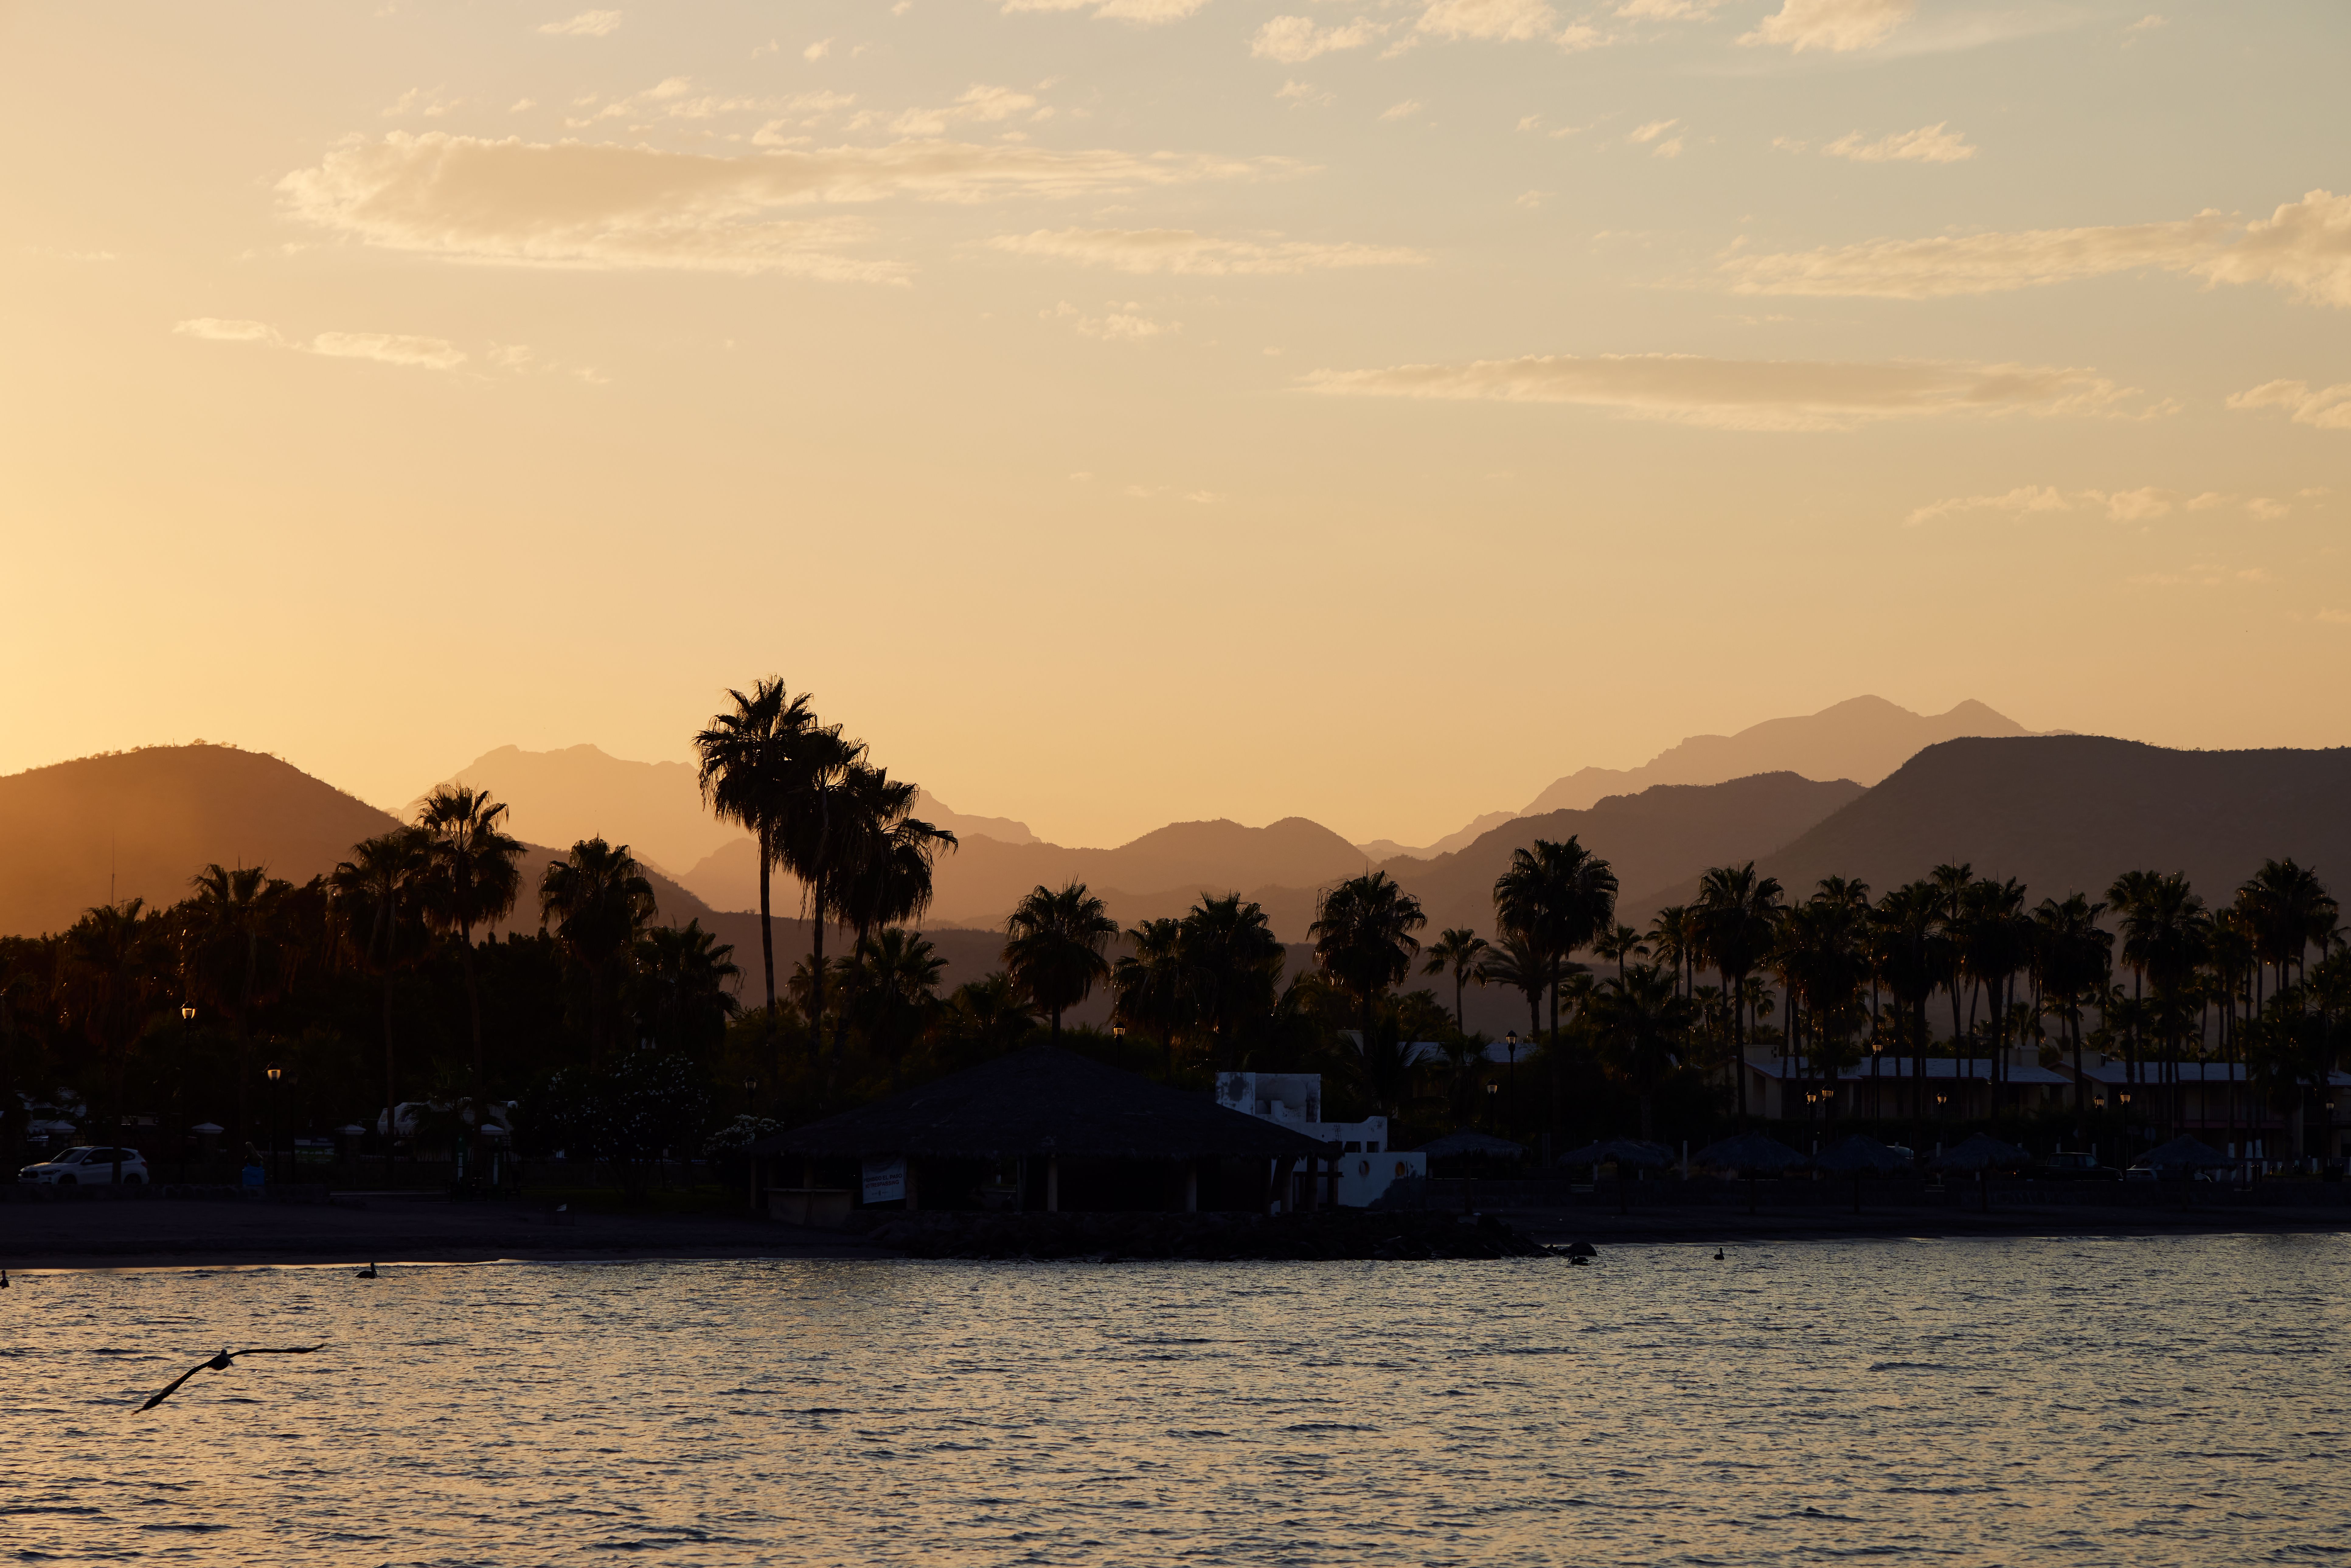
x=2140 y=1402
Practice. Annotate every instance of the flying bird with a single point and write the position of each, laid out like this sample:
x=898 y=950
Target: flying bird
x=221 y=1364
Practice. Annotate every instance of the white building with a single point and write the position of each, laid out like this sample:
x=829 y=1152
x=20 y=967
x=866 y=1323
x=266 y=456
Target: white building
x=1367 y=1164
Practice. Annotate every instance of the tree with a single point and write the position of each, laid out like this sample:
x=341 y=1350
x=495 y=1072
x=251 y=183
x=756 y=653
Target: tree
x=988 y=1016
x=1737 y=917
x=2288 y=911
x=1672 y=937
x=470 y=878
x=892 y=989
x=2071 y=955
x=376 y=899
x=1362 y=933
x=1560 y=897
x=110 y=973
x=1232 y=965
x=1458 y=951
x=1148 y=985
x=754 y=766
x=1642 y=1026
x=685 y=975
x=1515 y=962
x=231 y=954
x=598 y=900
x=1055 y=945
x=883 y=855
x=1620 y=944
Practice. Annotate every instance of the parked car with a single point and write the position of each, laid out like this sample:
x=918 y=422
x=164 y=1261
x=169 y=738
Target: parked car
x=2075 y=1165
x=87 y=1167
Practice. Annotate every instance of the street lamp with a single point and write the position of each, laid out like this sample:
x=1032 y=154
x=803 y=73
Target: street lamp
x=179 y=1083
x=275 y=1074
x=1492 y=1090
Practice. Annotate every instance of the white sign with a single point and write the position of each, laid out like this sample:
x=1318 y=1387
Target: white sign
x=885 y=1179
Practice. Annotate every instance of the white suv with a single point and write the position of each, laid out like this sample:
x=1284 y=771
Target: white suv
x=88 y=1167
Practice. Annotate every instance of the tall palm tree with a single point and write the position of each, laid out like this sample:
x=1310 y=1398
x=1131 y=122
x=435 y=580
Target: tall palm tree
x=1737 y=914
x=1620 y=944
x=471 y=878
x=1148 y=983
x=1642 y=1025
x=112 y=968
x=1515 y=962
x=1362 y=933
x=1951 y=884
x=1672 y=939
x=753 y=770
x=883 y=854
x=892 y=991
x=232 y=957
x=599 y=901
x=1458 y=950
x=1560 y=897
x=377 y=899
x=1055 y=945
x=2071 y=955
x=1232 y=966
x=2290 y=910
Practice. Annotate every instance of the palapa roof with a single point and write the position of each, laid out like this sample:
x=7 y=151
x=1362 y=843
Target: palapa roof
x=2184 y=1153
x=1044 y=1102
x=1857 y=1153
x=1621 y=1151
x=1750 y=1151
x=1981 y=1152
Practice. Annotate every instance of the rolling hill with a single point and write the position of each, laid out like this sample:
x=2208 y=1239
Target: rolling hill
x=140 y=823
x=2067 y=813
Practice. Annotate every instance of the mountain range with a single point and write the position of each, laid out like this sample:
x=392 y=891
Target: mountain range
x=2059 y=812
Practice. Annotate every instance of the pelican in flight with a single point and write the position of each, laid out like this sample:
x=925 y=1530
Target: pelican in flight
x=221 y=1364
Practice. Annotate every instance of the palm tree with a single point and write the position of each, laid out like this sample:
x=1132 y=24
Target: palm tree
x=470 y=879
x=753 y=766
x=991 y=1014
x=1148 y=983
x=1672 y=939
x=599 y=901
x=1054 y=948
x=1362 y=933
x=1232 y=965
x=2290 y=911
x=1620 y=944
x=1642 y=1025
x=1737 y=914
x=1907 y=957
x=110 y=969
x=893 y=990
x=1515 y=962
x=376 y=898
x=883 y=854
x=1458 y=949
x=688 y=995
x=2072 y=954
x=1560 y=897
x=230 y=927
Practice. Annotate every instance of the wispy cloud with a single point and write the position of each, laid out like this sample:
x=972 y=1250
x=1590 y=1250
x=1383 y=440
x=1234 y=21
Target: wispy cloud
x=2143 y=503
x=1927 y=144
x=2326 y=408
x=1838 y=26
x=1403 y=111
x=1499 y=19
x=576 y=204
x=587 y=25
x=1187 y=252
x=1296 y=39
x=1148 y=13
x=2303 y=248
x=979 y=104
x=1120 y=323
x=384 y=348
x=1746 y=395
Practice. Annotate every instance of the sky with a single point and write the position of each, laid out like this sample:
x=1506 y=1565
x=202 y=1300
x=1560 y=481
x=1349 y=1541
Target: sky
x=1125 y=411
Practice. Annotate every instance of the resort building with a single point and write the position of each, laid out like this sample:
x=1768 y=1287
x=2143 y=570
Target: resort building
x=2215 y=1101
x=1962 y=1088
x=1367 y=1162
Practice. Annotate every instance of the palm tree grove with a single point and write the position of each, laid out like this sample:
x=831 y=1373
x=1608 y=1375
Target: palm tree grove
x=441 y=1009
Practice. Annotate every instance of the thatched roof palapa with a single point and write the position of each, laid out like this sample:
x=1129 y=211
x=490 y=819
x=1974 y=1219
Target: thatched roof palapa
x=1044 y=1102
x=2184 y=1153
x=1857 y=1153
x=1620 y=1152
x=1468 y=1143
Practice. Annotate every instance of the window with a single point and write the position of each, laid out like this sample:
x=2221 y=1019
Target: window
x=1373 y=1147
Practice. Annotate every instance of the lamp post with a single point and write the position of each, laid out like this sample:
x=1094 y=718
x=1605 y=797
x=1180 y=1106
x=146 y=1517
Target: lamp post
x=270 y=1165
x=1493 y=1090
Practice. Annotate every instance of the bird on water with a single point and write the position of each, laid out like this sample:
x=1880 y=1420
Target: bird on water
x=1717 y=1254
x=366 y=1273
x=221 y=1364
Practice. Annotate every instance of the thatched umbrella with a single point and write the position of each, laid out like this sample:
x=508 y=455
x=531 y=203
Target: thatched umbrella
x=1860 y=1155
x=2187 y=1156
x=1982 y=1154
x=1748 y=1155
x=1624 y=1153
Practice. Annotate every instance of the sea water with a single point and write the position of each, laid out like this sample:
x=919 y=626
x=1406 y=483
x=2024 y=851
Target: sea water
x=2093 y=1401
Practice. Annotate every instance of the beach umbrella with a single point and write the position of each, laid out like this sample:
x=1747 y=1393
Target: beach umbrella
x=1983 y=1154
x=1626 y=1154
x=1860 y=1155
x=1472 y=1144
x=1748 y=1155
x=2184 y=1153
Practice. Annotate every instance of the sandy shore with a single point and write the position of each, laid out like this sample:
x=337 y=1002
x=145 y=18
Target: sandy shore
x=429 y=1229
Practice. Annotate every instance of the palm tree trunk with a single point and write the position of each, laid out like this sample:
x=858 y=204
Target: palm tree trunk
x=766 y=926
x=390 y=1097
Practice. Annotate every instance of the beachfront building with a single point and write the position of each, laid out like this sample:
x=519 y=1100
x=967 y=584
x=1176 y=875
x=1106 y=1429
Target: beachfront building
x=1366 y=1161
x=2215 y=1101
x=1790 y=1089
x=1041 y=1129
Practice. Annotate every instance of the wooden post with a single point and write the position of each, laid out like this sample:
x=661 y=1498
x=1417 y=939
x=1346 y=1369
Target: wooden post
x=1191 y=1186
x=1313 y=1183
x=1052 y=1184
x=913 y=1187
